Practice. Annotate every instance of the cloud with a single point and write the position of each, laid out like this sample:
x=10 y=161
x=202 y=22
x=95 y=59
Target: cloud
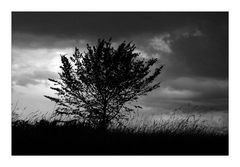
x=187 y=31
x=109 y=24
x=203 y=57
x=114 y=24
x=34 y=41
x=199 y=83
x=31 y=97
x=34 y=66
x=188 y=44
x=206 y=93
x=191 y=53
x=197 y=33
x=161 y=43
x=192 y=46
x=183 y=89
x=27 y=60
x=171 y=93
x=34 y=78
x=143 y=54
x=207 y=88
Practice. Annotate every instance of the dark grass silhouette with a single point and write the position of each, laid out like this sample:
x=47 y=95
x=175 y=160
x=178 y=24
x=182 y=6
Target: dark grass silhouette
x=46 y=137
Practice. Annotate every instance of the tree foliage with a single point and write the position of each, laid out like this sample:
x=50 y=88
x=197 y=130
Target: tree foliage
x=97 y=86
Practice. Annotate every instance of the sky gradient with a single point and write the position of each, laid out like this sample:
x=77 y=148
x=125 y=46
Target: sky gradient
x=192 y=46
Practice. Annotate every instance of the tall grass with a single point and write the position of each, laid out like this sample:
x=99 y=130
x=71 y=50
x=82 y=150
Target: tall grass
x=176 y=134
x=174 y=123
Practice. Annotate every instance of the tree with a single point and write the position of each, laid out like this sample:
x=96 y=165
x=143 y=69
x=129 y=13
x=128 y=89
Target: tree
x=97 y=86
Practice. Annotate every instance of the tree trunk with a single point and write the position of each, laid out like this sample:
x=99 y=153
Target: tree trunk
x=103 y=124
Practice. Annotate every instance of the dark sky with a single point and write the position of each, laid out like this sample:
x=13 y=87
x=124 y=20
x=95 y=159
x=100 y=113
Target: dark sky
x=117 y=25
x=192 y=46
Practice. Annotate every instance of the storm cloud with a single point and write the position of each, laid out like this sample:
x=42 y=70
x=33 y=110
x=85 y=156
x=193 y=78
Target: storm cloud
x=192 y=46
x=114 y=24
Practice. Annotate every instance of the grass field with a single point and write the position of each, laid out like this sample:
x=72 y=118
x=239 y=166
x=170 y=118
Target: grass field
x=173 y=134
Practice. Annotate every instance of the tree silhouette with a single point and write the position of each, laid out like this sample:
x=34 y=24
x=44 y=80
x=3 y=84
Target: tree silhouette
x=98 y=86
